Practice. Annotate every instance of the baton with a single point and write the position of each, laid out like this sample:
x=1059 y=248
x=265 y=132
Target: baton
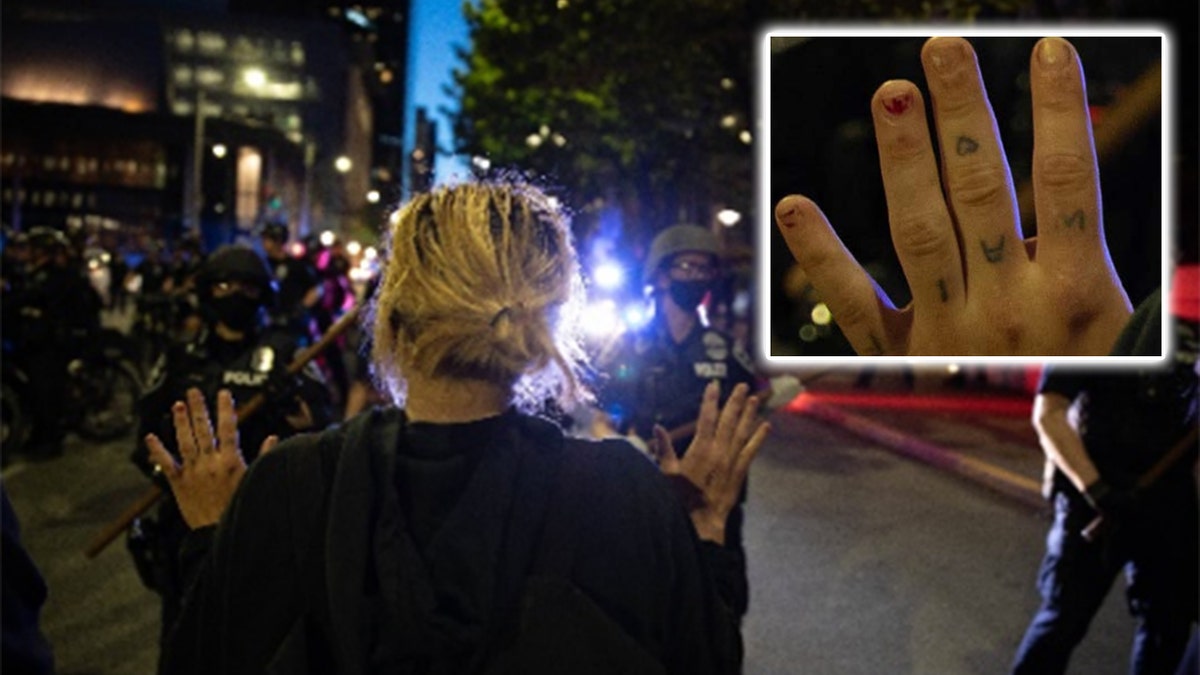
x=151 y=496
x=1165 y=463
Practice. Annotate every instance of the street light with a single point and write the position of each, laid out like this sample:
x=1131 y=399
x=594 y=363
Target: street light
x=342 y=164
x=219 y=150
x=373 y=196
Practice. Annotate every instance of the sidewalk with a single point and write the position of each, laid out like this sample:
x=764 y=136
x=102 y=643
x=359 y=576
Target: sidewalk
x=981 y=434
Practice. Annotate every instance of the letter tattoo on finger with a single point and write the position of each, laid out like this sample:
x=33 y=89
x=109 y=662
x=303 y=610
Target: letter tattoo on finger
x=994 y=254
x=966 y=146
x=1077 y=219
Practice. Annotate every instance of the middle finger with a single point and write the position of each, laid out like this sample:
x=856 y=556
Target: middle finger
x=978 y=182
x=201 y=424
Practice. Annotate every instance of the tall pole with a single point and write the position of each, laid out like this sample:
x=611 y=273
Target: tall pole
x=310 y=156
x=197 y=200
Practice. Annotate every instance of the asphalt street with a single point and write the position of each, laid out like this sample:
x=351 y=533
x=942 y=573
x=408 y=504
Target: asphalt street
x=861 y=561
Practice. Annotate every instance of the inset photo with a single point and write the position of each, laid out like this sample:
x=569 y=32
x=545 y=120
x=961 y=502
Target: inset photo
x=981 y=196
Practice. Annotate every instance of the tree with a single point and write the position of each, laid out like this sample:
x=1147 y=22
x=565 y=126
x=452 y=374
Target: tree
x=643 y=105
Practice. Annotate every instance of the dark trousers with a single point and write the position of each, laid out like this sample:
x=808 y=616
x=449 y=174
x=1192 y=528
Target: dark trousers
x=1157 y=549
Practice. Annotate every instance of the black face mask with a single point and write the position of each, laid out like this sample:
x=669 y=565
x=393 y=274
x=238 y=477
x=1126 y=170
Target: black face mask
x=688 y=294
x=236 y=311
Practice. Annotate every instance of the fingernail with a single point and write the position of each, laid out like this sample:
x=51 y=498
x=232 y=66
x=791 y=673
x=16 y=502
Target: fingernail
x=946 y=54
x=787 y=215
x=896 y=101
x=1053 y=53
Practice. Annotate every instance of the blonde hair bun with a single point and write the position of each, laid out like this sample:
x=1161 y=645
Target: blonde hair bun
x=481 y=283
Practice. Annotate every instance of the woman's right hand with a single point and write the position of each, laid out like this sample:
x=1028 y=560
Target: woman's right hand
x=717 y=461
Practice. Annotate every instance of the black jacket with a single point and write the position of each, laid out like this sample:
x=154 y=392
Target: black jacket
x=591 y=565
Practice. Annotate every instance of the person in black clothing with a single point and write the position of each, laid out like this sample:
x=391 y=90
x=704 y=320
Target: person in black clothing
x=657 y=375
x=460 y=534
x=233 y=352
x=57 y=310
x=23 y=647
x=298 y=281
x=1103 y=430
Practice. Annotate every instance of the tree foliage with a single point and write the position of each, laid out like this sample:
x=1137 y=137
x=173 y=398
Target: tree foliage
x=643 y=105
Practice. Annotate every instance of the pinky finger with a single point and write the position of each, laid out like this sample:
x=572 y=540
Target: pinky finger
x=161 y=458
x=855 y=300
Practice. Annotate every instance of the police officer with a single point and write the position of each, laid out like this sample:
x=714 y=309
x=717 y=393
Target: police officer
x=58 y=309
x=234 y=351
x=1102 y=431
x=299 y=283
x=657 y=375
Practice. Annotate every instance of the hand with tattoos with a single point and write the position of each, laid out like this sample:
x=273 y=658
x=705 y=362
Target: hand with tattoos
x=977 y=288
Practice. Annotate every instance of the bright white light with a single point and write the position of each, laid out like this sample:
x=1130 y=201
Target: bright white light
x=533 y=140
x=729 y=217
x=327 y=238
x=609 y=276
x=952 y=369
x=821 y=314
x=481 y=163
x=728 y=121
x=219 y=150
x=373 y=196
x=745 y=137
x=559 y=140
x=370 y=253
x=342 y=164
x=553 y=202
x=726 y=83
x=298 y=249
x=543 y=131
x=637 y=315
x=254 y=77
x=600 y=320
x=354 y=248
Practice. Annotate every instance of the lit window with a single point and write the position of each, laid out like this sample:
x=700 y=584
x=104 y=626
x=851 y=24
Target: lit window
x=210 y=43
x=9 y=158
x=184 y=40
x=249 y=179
x=183 y=75
x=8 y=194
x=48 y=163
x=77 y=200
x=181 y=107
x=297 y=54
x=209 y=76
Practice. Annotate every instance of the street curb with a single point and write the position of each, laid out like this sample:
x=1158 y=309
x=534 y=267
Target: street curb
x=1021 y=488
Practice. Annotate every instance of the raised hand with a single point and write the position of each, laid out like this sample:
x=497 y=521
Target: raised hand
x=717 y=461
x=212 y=467
x=977 y=288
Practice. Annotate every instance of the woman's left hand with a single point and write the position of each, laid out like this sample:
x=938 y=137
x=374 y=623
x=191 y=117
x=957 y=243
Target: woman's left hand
x=212 y=468
x=717 y=461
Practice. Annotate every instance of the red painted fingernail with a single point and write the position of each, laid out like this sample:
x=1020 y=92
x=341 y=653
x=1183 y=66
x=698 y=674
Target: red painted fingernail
x=786 y=218
x=898 y=105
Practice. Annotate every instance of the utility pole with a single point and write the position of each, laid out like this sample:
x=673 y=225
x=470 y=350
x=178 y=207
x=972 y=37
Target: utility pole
x=197 y=200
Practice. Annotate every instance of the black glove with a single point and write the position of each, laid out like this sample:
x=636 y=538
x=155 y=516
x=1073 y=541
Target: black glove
x=1110 y=501
x=281 y=390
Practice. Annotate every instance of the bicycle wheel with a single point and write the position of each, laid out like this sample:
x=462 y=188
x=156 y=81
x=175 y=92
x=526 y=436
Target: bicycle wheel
x=108 y=395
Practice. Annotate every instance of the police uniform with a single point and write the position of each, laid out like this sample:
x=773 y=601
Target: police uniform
x=1127 y=421
x=296 y=277
x=255 y=364
x=654 y=380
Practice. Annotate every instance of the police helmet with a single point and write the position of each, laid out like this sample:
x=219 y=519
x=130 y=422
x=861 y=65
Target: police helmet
x=677 y=239
x=276 y=231
x=48 y=238
x=237 y=263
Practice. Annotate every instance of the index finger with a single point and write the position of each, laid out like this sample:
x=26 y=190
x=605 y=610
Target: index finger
x=1065 y=179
